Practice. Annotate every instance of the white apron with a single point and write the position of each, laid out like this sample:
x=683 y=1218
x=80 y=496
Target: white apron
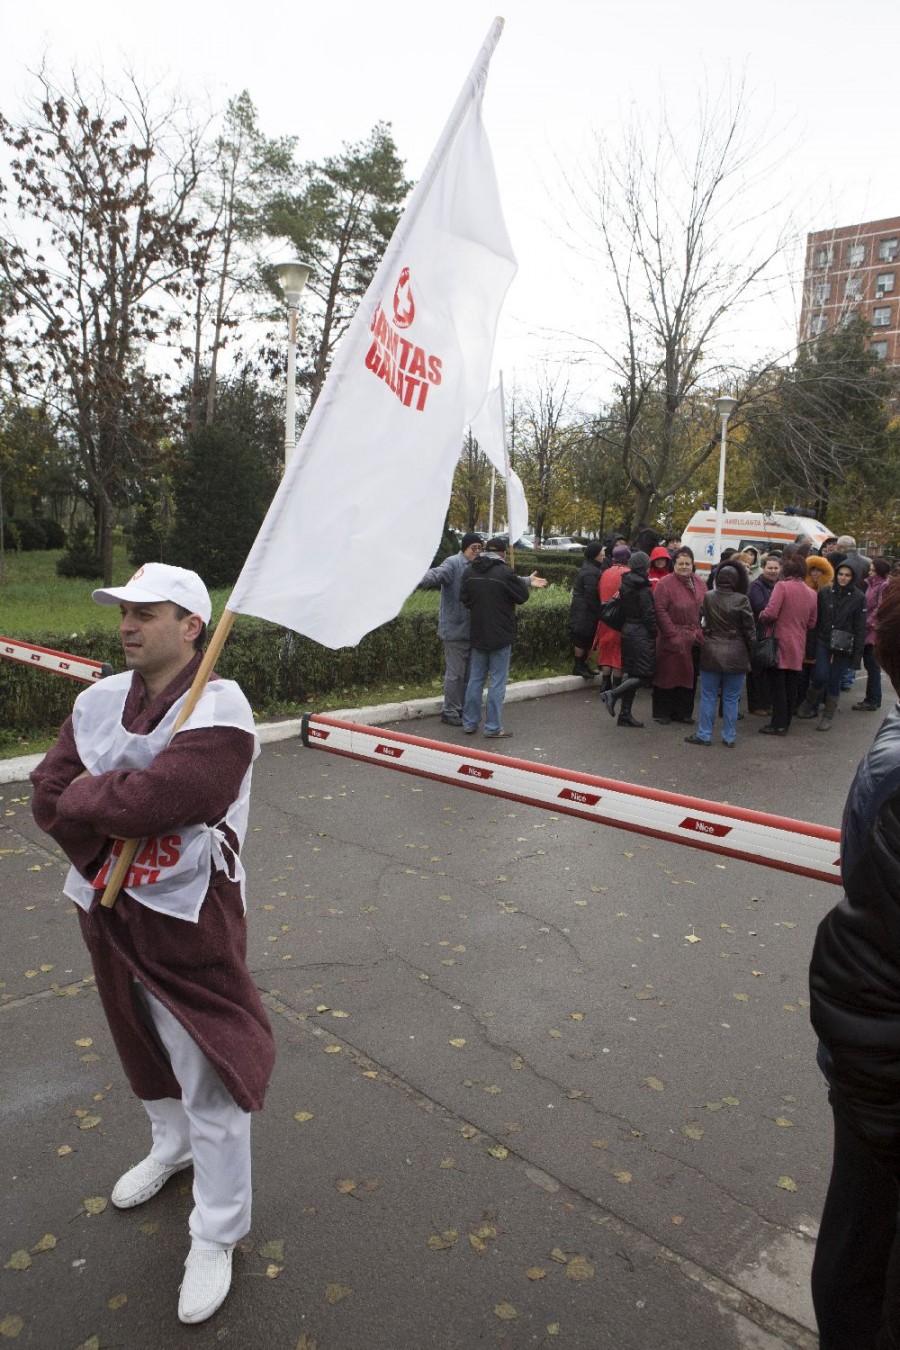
x=170 y=873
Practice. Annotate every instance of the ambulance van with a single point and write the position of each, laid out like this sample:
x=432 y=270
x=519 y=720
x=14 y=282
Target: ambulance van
x=765 y=530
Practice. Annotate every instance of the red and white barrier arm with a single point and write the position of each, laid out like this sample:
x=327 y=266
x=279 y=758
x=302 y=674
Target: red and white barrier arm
x=60 y=663
x=772 y=841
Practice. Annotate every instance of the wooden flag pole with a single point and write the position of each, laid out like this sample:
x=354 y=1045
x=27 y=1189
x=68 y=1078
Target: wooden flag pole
x=205 y=669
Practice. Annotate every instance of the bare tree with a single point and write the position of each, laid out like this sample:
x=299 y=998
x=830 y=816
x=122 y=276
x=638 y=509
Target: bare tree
x=96 y=254
x=543 y=444
x=674 y=232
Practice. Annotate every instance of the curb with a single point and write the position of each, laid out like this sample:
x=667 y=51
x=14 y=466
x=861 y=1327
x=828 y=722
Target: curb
x=17 y=770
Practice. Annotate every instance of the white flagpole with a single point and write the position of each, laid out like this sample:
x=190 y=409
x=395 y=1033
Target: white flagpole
x=491 y=512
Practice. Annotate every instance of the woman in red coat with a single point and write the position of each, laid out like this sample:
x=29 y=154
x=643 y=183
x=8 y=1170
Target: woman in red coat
x=790 y=613
x=677 y=598
x=609 y=642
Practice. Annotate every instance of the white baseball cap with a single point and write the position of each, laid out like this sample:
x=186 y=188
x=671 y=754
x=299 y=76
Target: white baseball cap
x=155 y=582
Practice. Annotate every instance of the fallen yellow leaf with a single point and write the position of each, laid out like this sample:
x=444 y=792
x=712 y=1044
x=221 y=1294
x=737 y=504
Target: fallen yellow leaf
x=148 y=1229
x=552 y=1328
x=535 y=1273
x=478 y=1244
x=272 y=1251
x=786 y=1184
x=96 y=1204
x=46 y=1244
x=335 y=1292
x=559 y=1256
x=623 y=1177
x=442 y=1242
x=692 y=1131
x=783 y=1122
x=579 y=1268
x=11 y=1325
x=63 y=1151
x=655 y=1084
x=273 y=1271
x=345 y=1185
x=84 y=1042
x=505 y=1311
x=117 y=1301
x=303 y=1116
x=576 y=1017
x=457 y=1041
x=332 y=1049
x=499 y=1152
x=19 y=1260
x=89 y=1122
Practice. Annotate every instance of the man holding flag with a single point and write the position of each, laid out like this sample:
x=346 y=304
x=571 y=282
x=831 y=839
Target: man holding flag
x=183 y=1008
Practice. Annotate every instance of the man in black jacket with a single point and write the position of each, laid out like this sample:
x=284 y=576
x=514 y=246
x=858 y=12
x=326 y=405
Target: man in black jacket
x=491 y=591
x=855 y=1009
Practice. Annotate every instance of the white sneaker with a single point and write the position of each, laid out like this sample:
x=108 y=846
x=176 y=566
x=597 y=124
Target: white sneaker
x=207 y=1279
x=142 y=1182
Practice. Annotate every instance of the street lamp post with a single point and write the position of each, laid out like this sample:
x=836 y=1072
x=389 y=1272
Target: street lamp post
x=292 y=276
x=724 y=406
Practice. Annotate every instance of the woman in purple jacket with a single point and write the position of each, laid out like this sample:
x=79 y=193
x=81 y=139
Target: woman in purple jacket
x=879 y=577
x=790 y=613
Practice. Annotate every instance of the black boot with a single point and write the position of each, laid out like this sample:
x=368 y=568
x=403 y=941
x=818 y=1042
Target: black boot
x=583 y=669
x=625 y=717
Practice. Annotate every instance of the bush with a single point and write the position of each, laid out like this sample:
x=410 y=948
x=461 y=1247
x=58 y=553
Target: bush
x=276 y=667
x=79 y=559
x=30 y=534
x=55 y=534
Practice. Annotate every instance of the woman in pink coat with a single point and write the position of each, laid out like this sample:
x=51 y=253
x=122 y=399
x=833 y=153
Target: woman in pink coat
x=790 y=613
x=677 y=599
x=609 y=642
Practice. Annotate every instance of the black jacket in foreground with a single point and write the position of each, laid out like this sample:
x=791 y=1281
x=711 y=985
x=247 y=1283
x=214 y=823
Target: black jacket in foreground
x=854 y=975
x=491 y=591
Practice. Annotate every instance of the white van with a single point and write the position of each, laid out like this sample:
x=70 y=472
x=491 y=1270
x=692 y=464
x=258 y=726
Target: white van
x=764 y=529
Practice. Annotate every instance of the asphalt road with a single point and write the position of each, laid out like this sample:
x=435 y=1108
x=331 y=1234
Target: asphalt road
x=534 y=1110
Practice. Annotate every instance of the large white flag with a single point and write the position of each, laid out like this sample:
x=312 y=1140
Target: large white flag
x=358 y=515
x=489 y=429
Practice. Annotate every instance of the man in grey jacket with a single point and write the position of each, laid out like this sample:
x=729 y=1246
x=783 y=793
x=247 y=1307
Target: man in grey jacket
x=453 y=623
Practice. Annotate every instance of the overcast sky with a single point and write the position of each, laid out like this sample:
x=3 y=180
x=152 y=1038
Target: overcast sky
x=820 y=74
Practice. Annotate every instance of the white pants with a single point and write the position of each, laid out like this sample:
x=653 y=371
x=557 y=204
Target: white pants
x=206 y=1125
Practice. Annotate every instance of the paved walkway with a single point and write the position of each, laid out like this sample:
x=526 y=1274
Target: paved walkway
x=539 y=1083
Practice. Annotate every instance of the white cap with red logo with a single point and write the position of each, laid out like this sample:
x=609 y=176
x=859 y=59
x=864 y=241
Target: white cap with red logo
x=155 y=582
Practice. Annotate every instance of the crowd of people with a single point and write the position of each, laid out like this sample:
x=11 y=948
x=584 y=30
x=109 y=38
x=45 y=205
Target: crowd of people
x=790 y=628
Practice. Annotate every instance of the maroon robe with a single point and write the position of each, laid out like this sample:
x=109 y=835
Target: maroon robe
x=198 y=971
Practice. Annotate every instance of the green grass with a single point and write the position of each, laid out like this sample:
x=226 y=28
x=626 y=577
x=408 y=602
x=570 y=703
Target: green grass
x=34 y=600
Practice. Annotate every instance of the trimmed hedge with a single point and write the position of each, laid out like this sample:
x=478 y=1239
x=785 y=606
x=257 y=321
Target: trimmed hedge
x=276 y=667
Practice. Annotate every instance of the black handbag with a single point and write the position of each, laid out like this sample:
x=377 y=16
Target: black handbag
x=840 y=642
x=612 y=614
x=765 y=653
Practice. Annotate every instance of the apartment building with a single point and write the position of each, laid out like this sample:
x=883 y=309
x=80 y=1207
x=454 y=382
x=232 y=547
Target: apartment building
x=855 y=270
